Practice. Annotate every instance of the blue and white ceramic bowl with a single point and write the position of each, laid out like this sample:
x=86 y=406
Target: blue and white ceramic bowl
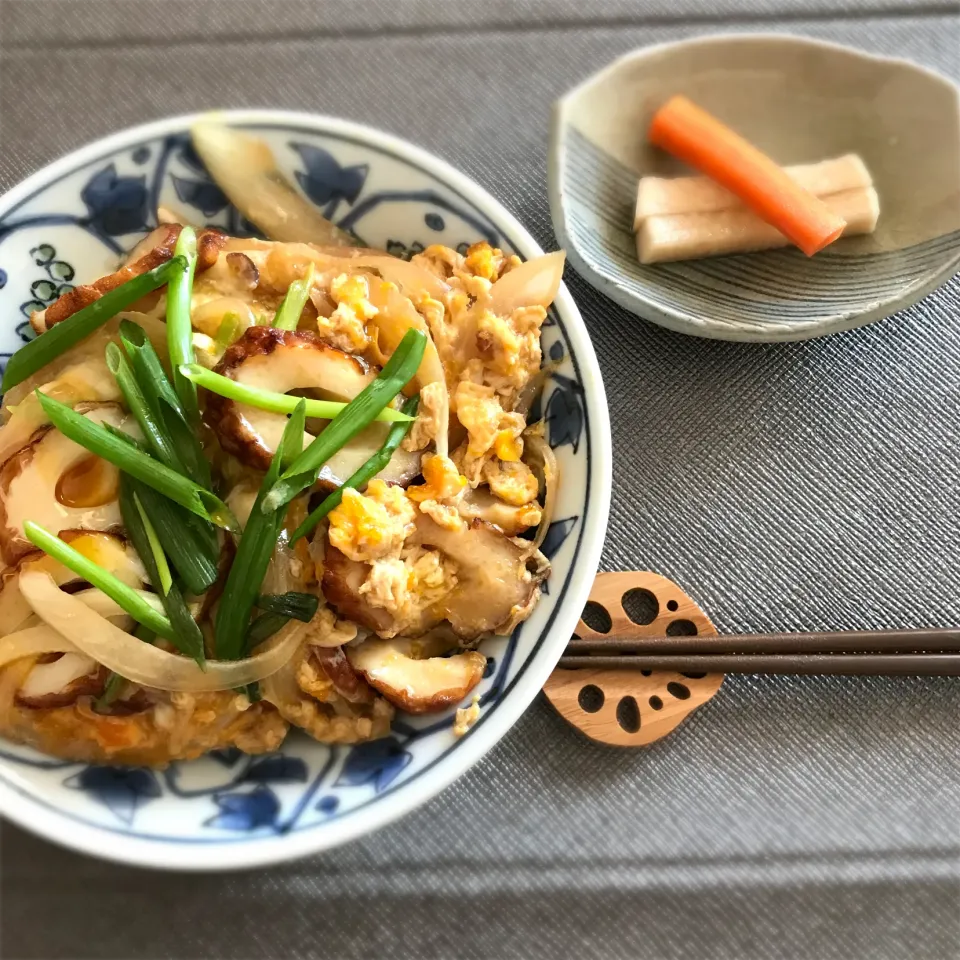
x=67 y=224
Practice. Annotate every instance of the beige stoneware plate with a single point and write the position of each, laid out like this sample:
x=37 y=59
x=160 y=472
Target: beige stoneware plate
x=800 y=101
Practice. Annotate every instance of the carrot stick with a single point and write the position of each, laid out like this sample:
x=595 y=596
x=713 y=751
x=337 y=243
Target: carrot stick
x=694 y=136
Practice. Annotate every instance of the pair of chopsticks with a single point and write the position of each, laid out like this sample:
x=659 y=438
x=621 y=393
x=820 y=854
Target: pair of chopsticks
x=914 y=653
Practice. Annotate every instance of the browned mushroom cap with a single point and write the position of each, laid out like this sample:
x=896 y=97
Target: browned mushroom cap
x=156 y=248
x=417 y=686
x=285 y=360
x=342 y=580
x=58 y=484
x=496 y=588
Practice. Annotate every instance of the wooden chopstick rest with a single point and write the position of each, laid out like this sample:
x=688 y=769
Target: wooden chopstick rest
x=632 y=708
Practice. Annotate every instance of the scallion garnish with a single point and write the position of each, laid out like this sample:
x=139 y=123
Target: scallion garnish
x=62 y=336
x=165 y=405
x=164 y=576
x=134 y=461
x=288 y=313
x=262 y=628
x=293 y=604
x=186 y=635
x=256 y=546
x=111 y=690
x=123 y=595
x=228 y=332
x=367 y=472
x=185 y=538
x=271 y=400
x=114 y=684
x=145 y=414
x=359 y=413
x=179 y=326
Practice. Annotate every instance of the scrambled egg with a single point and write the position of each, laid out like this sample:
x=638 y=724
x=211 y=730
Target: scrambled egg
x=481 y=262
x=346 y=328
x=374 y=525
x=406 y=587
x=490 y=431
x=504 y=351
x=510 y=347
x=510 y=519
x=514 y=483
x=443 y=480
x=446 y=515
x=433 y=397
x=479 y=410
x=466 y=717
x=325 y=630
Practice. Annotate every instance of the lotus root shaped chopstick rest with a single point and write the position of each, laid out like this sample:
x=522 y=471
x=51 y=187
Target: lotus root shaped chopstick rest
x=631 y=708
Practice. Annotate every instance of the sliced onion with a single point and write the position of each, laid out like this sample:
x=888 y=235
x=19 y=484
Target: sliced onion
x=245 y=169
x=411 y=278
x=443 y=424
x=101 y=604
x=144 y=663
x=550 y=470
x=534 y=385
x=532 y=284
x=396 y=315
x=32 y=642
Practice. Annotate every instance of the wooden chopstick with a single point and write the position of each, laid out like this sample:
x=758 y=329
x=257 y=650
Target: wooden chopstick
x=847 y=641
x=836 y=664
x=921 y=652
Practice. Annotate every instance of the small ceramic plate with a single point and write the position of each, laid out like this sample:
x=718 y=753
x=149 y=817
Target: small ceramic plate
x=68 y=224
x=800 y=101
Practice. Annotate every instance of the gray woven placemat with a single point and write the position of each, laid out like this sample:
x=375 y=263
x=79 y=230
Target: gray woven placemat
x=790 y=486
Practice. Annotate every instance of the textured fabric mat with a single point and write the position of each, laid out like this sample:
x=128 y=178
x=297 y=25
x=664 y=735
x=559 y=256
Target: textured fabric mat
x=810 y=485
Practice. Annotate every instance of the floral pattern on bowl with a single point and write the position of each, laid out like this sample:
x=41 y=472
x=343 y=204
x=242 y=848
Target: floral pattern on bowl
x=69 y=223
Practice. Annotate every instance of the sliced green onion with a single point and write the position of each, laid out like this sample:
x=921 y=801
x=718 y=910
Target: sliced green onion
x=124 y=596
x=179 y=326
x=62 y=336
x=111 y=690
x=114 y=684
x=190 y=542
x=185 y=538
x=165 y=404
x=293 y=605
x=134 y=461
x=264 y=627
x=368 y=471
x=146 y=364
x=228 y=332
x=288 y=313
x=159 y=557
x=359 y=413
x=145 y=413
x=256 y=546
x=271 y=400
x=186 y=634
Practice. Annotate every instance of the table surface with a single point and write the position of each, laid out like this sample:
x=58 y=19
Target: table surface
x=797 y=486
